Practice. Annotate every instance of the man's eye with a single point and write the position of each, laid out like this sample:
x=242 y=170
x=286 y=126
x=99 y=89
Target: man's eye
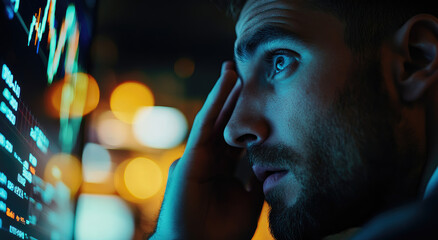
x=280 y=61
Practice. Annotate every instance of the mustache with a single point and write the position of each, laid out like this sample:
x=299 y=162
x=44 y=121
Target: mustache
x=272 y=156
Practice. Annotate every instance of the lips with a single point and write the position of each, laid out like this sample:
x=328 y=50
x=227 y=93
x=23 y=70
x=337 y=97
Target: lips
x=270 y=176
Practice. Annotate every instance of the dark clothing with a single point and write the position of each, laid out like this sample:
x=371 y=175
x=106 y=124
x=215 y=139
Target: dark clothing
x=418 y=220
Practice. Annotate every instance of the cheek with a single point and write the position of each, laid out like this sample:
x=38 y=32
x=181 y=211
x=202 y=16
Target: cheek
x=326 y=74
x=290 y=113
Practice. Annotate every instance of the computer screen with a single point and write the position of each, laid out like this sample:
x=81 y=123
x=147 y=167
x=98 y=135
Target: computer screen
x=44 y=57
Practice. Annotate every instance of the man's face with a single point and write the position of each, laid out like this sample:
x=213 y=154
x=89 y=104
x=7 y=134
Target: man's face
x=317 y=124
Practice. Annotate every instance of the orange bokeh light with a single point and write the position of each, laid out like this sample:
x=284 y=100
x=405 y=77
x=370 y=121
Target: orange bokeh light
x=84 y=98
x=128 y=97
x=65 y=168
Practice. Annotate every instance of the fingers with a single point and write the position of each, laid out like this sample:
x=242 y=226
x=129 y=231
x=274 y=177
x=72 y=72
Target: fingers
x=207 y=116
x=172 y=166
x=227 y=110
x=171 y=171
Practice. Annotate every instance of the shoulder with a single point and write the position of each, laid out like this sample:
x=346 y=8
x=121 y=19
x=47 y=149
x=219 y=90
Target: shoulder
x=418 y=220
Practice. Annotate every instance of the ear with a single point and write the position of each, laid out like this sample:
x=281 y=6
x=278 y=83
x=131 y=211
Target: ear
x=417 y=68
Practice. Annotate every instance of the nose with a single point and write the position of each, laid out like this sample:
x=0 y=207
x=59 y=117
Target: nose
x=247 y=125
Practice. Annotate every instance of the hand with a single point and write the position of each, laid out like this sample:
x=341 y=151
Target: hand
x=203 y=199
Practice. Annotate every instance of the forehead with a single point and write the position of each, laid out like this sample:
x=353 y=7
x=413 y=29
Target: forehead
x=294 y=16
x=257 y=12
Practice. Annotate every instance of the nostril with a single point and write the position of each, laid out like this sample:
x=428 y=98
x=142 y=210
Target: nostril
x=246 y=139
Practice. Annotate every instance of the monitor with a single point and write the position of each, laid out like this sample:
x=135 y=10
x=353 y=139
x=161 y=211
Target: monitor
x=44 y=56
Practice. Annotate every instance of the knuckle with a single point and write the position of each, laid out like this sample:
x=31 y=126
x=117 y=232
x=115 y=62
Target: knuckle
x=197 y=117
x=173 y=165
x=229 y=74
x=199 y=120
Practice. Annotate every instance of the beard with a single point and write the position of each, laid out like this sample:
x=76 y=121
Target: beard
x=352 y=160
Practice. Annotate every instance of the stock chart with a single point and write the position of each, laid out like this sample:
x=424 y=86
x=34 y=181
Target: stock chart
x=42 y=43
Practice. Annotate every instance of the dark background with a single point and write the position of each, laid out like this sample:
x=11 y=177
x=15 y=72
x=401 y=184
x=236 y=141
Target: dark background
x=149 y=36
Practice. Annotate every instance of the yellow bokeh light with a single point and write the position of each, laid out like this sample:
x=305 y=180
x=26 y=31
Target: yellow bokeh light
x=184 y=67
x=143 y=177
x=138 y=179
x=128 y=97
x=119 y=182
x=66 y=168
x=82 y=102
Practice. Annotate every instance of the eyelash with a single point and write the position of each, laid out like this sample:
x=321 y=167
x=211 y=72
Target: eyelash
x=271 y=56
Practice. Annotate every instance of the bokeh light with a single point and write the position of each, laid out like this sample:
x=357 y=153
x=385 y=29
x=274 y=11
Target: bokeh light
x=128 y=97
x=66 y=168
x=184 y=67
x=82 y=102
x=160 y=127
x=96 y=163
x=262 y=231
x=111 y=131
x=119 y=182
x=143 y=177
x=138 y=179
x=103 y=217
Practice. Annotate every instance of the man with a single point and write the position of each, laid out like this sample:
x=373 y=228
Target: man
x=335 y=106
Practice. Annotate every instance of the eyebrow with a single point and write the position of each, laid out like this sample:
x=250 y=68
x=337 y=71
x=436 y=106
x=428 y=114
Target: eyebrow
x=247 y=47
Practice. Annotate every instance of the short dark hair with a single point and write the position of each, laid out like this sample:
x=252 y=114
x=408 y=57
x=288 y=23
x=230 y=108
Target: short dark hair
x=367 y=22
